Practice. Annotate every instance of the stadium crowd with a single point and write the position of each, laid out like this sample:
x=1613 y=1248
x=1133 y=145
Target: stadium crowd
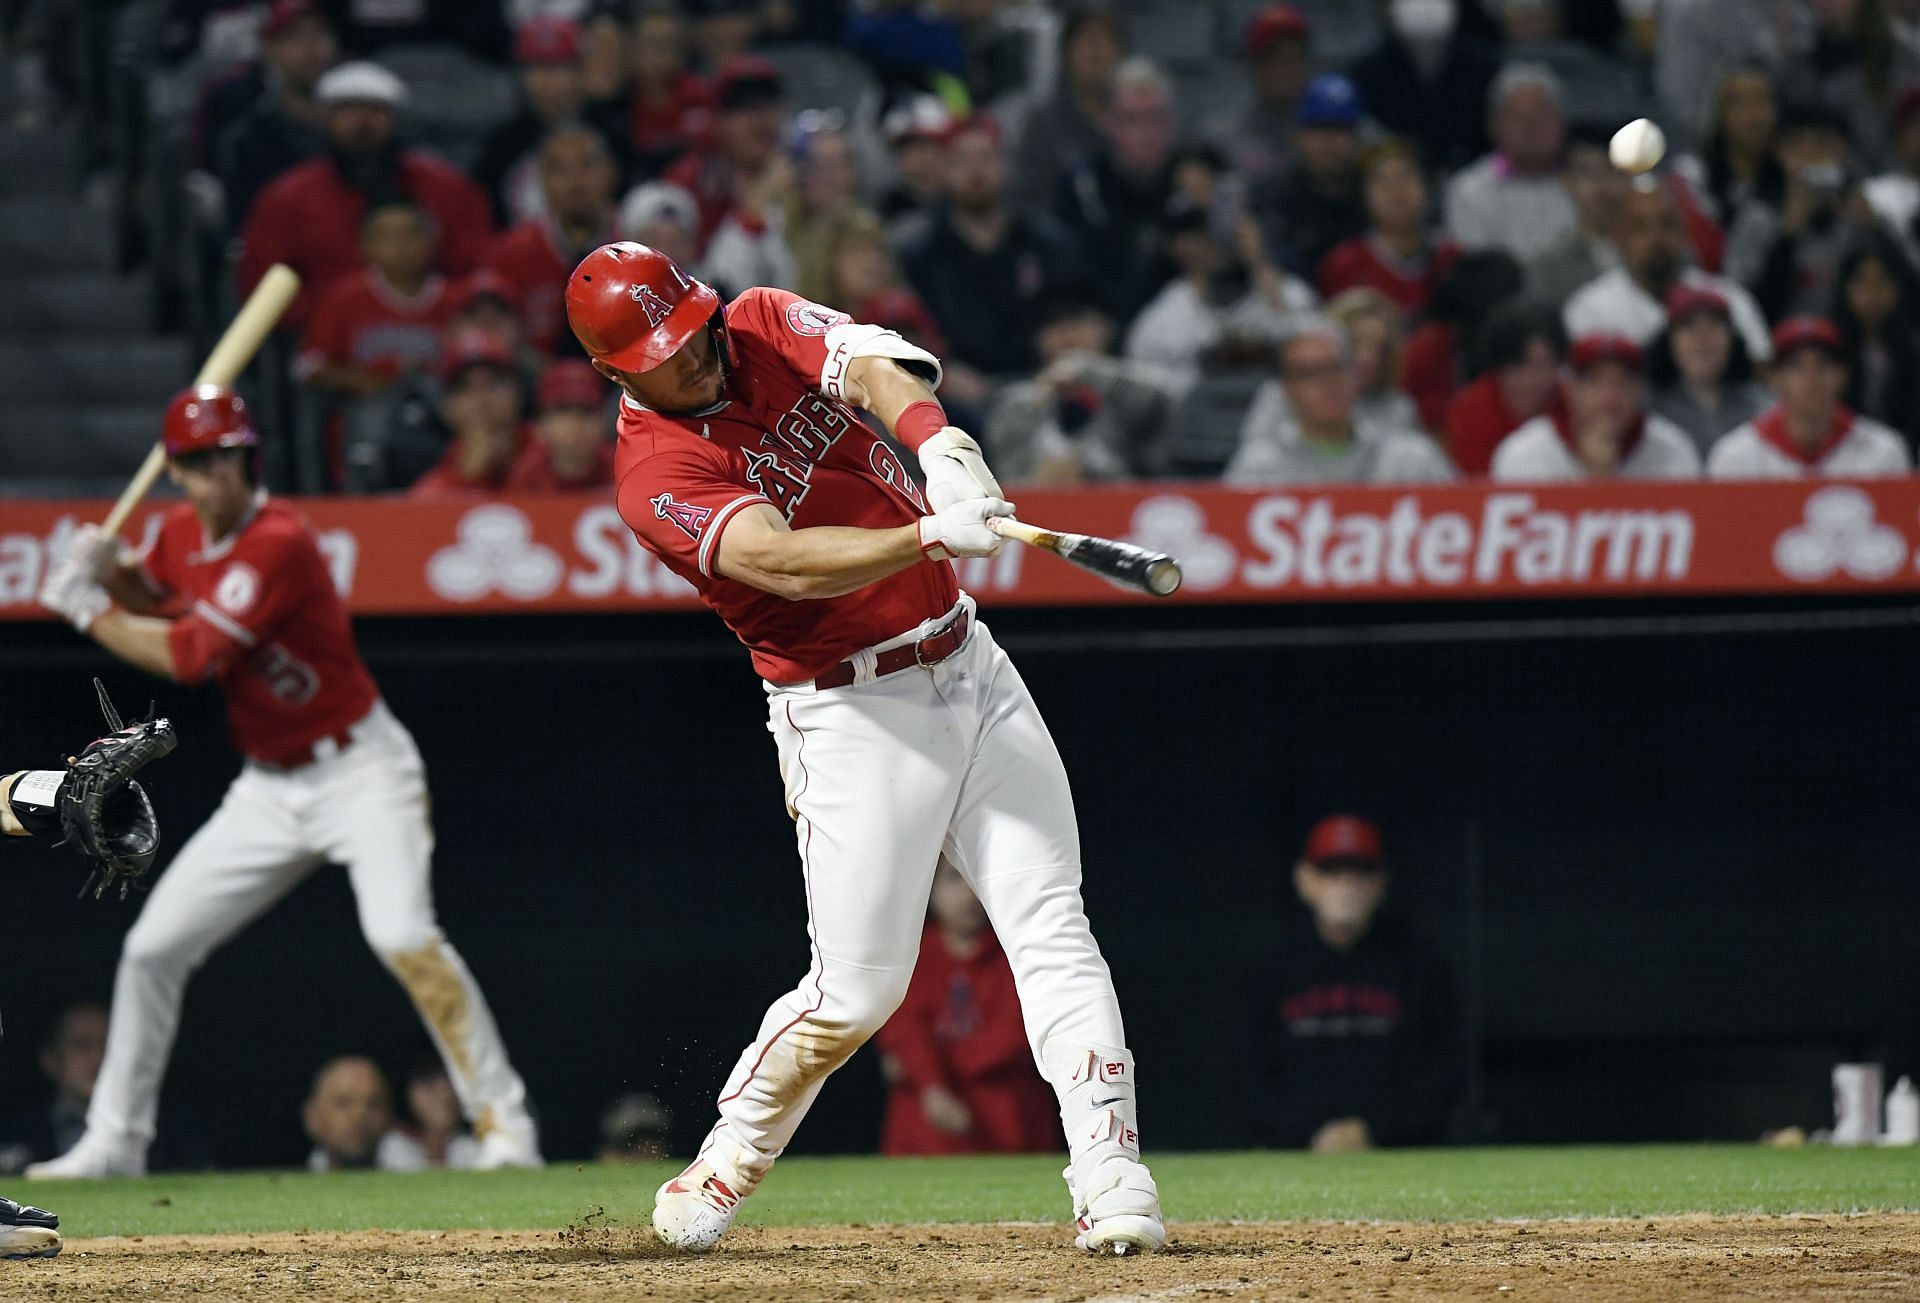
x=1414 y=266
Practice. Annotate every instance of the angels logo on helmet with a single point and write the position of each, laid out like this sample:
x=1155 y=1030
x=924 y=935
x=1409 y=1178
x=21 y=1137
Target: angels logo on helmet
x=650 y=303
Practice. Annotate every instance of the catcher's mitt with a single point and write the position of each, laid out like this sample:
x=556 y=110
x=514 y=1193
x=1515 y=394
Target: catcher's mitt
x=103 y=812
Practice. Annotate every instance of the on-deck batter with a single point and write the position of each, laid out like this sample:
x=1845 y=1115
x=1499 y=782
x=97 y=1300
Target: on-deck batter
x=903 y=731
x=330 y=776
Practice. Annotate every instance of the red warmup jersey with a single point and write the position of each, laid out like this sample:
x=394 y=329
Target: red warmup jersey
x=960 y=1027
x=1364 y=262
x=531 y=258
x=365 y=321
x=309 y=218
x=777 y=437
x=261 y=616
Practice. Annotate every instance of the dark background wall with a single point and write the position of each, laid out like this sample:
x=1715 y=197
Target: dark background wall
x=1671 y=851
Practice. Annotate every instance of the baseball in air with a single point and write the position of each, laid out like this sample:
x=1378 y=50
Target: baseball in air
x=1638 y=146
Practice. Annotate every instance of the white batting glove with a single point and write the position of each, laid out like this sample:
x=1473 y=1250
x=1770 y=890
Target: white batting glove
x=962 y=529
x=71 y=593
x=99 y=551
x=955 y=469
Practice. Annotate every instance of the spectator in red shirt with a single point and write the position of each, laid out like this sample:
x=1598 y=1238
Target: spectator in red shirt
x=1525 y=347
x=480 y=404
x=578 y=176
x=1398 y=255
x=744 y=173
x=670 y=106
x=310 y=217
x=384 y=320
x=961 y=1075
x=570 y=448
x=487 y=303
x=1437 y=353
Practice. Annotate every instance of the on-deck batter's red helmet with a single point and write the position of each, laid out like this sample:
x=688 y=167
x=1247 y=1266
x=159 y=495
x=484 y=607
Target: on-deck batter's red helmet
x=633 y=308
x=207 y=416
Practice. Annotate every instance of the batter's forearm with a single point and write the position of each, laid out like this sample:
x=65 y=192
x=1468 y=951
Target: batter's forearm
x=823 y=561
x=139 y=640
x=126 y=585
x=886 y=388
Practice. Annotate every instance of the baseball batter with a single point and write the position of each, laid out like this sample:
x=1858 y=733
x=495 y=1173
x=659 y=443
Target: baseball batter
x=903 y=731
x=234 y=589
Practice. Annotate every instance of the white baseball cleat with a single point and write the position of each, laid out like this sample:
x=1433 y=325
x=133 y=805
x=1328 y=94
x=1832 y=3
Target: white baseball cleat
x=1121 y=1213
x=693 y=1210
x=92 y=1159
x=27 y=1232
x=512 y=1143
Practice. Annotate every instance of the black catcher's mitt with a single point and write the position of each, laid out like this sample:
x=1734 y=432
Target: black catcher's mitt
x=103 y=812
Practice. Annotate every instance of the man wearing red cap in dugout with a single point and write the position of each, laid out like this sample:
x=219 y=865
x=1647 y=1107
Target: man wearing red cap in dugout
x=233 y=588
x=903 y=731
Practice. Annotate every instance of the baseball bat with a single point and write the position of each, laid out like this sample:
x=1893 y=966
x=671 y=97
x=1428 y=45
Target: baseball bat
x=1154 y=573
x=236 y=347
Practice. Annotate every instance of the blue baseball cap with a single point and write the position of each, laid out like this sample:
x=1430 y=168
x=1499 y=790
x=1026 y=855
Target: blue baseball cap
x=1330 y=100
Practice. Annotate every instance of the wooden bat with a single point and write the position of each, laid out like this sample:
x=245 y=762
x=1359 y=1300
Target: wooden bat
x=1119 y=563
x=243 y=337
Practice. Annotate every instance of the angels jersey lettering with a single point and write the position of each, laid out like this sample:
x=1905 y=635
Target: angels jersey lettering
x=776 y=439
x=259 y=614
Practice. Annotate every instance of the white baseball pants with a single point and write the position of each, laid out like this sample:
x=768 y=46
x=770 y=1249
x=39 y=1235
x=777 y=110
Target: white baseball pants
x=364 y=807
x=882 y=777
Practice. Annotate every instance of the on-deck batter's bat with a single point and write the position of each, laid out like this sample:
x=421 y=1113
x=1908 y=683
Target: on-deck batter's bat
x=1119 y=563
x=223 y=366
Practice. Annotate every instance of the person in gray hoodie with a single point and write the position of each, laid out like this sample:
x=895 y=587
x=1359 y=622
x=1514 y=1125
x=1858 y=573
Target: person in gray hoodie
x=1315 y=436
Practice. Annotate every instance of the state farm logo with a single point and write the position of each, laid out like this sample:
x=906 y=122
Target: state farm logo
x=495 y=551
x=1507 y=538
x=1178 y=527
x=1839 y=536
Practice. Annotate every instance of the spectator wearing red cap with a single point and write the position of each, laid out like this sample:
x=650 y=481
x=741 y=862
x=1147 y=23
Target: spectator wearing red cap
x=577 y=179
x=1065 y=130
x=1524 y=347
x=547 y=52
x=480 y=407
x=1649 y=234
x=1809 y=432
x=670 y=107
x=960 y=1075
x=570 y=448
x=1605 y=430
x=1356 y=1031
x=385 y=319
x=1701 y=377
x=1257 y=137
x=1398 y=255
x=310 y=217
x=743 y=174
x=1427 y=81
x=265 y=118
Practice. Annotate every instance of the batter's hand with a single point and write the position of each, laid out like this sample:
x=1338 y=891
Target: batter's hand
x=99 y=552
x=961 y=529
x=71 y=592
x=955 y=469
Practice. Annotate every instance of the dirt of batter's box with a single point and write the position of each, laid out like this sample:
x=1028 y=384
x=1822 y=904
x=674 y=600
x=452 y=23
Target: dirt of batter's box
x=1873 y=1256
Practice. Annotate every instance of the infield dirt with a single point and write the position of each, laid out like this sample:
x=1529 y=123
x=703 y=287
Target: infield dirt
x=1874 y=1256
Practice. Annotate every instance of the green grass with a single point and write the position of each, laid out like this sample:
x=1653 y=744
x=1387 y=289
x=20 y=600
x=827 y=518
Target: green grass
x=1433 y=1185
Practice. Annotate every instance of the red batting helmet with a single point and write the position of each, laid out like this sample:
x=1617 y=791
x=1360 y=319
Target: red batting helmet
x=633 y=308
x=204 y=417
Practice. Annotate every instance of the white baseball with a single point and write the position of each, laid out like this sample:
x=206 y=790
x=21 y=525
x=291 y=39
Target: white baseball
x=1638 y=146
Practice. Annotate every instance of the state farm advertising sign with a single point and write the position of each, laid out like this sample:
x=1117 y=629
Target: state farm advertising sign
x=572 y=552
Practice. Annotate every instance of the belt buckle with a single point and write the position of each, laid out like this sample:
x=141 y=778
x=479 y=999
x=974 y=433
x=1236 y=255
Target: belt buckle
x=950 y=627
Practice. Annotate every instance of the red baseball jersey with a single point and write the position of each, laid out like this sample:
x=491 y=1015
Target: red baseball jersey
x=531 y=257
x=261 y=616
x=777 y=437
x=364 y=321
